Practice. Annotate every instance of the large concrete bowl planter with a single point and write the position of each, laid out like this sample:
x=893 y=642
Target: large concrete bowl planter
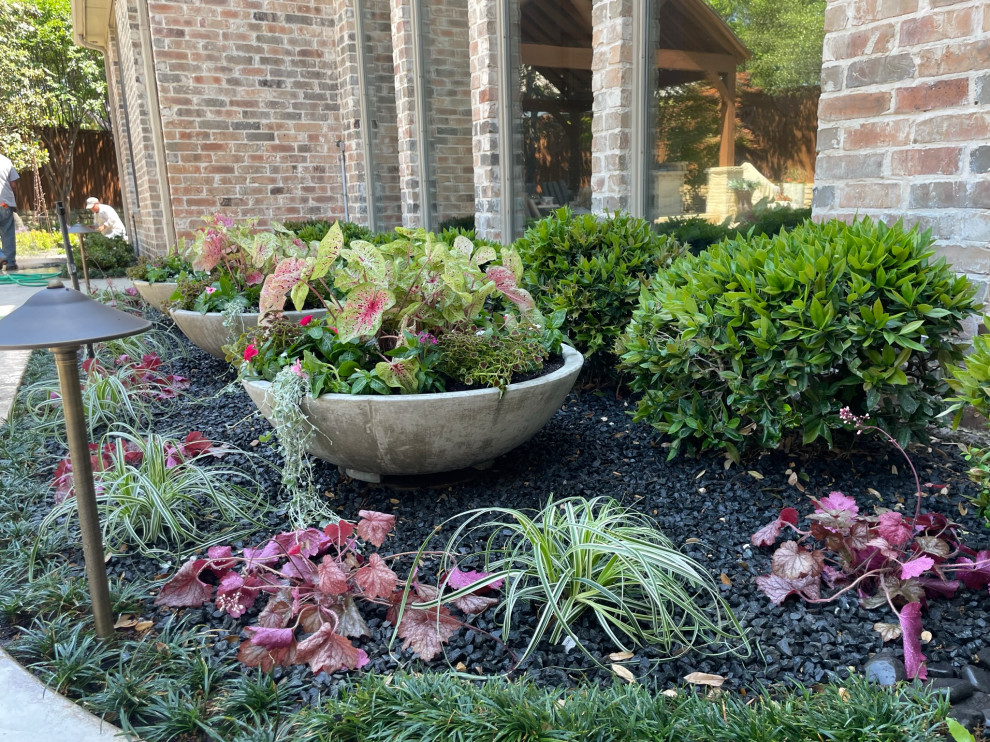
x=368 y=436
x=156 y=294
x=206 y=331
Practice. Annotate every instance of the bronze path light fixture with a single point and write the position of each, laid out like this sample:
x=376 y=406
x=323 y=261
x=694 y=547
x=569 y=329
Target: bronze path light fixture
x=81 y=229
x=63 y=320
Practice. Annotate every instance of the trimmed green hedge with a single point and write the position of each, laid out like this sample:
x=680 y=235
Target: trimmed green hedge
x=592 y=268
x=759 y=338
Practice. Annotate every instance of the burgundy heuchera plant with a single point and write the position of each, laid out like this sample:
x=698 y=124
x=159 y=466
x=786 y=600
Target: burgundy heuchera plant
x=314 y=580
x=887 y=558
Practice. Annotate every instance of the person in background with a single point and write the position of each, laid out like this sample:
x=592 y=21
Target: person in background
x=105 y=219
x=8 y=206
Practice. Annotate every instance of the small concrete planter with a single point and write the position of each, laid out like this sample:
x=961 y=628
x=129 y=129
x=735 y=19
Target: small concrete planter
x=156 y=294
x=370 y=435
x=206 y=331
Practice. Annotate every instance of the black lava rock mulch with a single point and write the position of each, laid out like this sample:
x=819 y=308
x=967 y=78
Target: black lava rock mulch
x=592 y=448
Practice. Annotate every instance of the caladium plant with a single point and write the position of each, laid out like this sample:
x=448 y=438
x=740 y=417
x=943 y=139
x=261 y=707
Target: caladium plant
x=315 y=580
x=887 y=557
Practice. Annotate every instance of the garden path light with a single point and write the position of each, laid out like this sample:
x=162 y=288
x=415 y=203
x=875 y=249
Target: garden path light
x=63 y=320
x=81 y=229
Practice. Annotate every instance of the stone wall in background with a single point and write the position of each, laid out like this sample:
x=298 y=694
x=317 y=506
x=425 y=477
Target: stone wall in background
x=904 y=120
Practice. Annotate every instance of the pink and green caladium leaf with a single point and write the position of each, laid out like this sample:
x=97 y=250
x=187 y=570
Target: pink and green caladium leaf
x=374 y=526
x=375 y=578
x=329 y=652
x=368 y=259
x=185 y=589
x=505 y=282
x=768 y=534
x=362 y=314
x=793 y=562
x=512 y=261
x=463 y=246
x=484 y=254
x=914 y=660
x=778 y=588
x=328 y=251
x=399 y=374
x=287 y=274
x=263 y=248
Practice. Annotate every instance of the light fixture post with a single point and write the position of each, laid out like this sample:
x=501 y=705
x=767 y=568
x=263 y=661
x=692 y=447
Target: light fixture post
x=66 y=361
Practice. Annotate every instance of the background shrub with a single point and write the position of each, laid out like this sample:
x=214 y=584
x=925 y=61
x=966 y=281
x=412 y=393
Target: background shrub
x=109 y=256
x=39 y=242
x=761 y=337
x=771 y=221
x=315 y=230
x=695 y=232
x=592 y=269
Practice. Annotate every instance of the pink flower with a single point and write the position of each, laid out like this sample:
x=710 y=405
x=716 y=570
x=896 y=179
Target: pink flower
x=296 y=368
x=210 y=289
x=131 y=291
x=306 y=320
x=250 y=352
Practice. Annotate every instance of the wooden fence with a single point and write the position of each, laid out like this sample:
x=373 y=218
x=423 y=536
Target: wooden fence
x=95 y=174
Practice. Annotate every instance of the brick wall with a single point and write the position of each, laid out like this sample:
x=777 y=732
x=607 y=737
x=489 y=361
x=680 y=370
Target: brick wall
x=611 y=122
x=249 y=108
x=904 y=120
x=144 y=195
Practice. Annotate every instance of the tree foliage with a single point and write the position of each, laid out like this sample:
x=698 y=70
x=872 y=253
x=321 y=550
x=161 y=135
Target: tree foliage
x=51 y=89
x=786 y=39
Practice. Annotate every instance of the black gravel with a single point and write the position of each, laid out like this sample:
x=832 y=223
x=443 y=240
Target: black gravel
x=591 y=448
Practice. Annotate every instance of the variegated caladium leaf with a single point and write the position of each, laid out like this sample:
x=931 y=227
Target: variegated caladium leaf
x=362 y=314
x=368 y=259
x=328 y=251
x=287 y=274
x=505 y=282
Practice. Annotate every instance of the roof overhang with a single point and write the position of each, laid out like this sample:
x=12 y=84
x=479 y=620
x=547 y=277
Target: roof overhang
x=91 y=22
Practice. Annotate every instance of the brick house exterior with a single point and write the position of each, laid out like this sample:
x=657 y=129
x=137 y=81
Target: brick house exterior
x=904 y=120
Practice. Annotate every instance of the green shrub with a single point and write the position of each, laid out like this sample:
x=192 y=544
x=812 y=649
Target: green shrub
x=971 y=380
x=106 y=255
x=696 y=232
x=315 y=230
x=762 y=337
x=591 y=268
x=39 y=242
x=771 y=221
x=465 y=223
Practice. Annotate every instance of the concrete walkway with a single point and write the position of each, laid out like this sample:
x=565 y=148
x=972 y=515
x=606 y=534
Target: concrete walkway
x=29 y=712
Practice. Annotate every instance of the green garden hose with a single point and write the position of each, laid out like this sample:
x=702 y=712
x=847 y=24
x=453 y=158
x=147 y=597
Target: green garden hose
x=27 y=279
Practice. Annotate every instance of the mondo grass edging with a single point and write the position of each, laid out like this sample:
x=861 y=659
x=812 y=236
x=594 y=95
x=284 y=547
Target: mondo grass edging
x=444 y=707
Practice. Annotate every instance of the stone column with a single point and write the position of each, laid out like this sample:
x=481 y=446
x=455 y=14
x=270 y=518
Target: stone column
x=403 y=52
x=485 y=127
x=611 y=123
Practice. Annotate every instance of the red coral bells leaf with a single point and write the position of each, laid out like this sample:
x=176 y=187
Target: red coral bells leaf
x=894 y=529
x=309 y=542
x=975 y=575
x=914 y=660
x=185 y=589
x=768 y=534
x=837 y=501
x=235 y=595
x=459 y=578
x=339 y=532
x=375 y=578
x=332 y=579
x=792 y=562
x=278 y=613
x=778 y=588
x=254 y=655
x=329 y=652
x=271 y=638
x=505 y=282
x=374 y=526
x=425 y=630
x=916 y=567
x=474 y=603
x=221 y=561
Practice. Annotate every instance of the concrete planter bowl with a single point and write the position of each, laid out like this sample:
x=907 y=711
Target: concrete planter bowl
x=156 y=294
x=206 y=331
x=368 y=436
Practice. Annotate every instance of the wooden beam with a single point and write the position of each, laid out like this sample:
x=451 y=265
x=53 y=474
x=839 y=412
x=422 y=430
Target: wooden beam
x=677 y=59
x=727 y=145
x=579 y=58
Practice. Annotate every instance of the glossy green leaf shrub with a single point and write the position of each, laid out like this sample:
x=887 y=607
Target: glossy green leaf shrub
x=591 y=269
x=971 y=380
x=107 y=255
x=763 y=337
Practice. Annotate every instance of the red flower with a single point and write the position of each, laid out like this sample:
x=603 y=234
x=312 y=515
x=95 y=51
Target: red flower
x=250 y=352
x=306 y=320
